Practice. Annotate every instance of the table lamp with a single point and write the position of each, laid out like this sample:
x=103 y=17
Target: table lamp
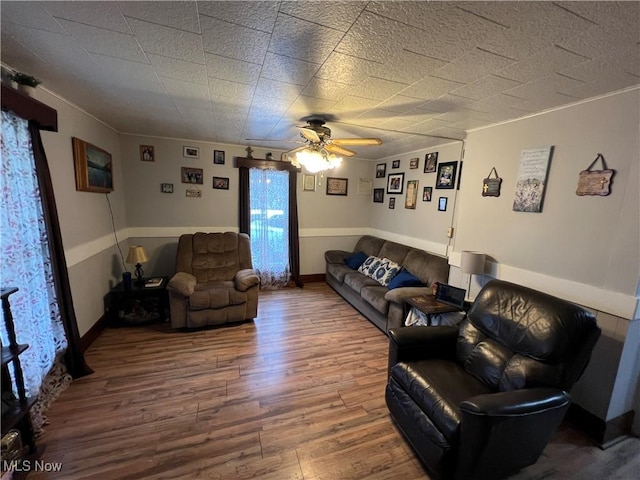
x=138 y=256
x=472 y=264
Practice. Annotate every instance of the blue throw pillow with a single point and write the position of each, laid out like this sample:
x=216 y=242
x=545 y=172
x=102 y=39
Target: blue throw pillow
x=354 y=261
x=404 y=279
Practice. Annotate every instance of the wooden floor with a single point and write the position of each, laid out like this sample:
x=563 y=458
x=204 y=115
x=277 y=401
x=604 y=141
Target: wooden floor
x=296 y=394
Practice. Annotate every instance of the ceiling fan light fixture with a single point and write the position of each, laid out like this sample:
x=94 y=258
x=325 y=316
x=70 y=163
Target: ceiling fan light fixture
x=317 y=160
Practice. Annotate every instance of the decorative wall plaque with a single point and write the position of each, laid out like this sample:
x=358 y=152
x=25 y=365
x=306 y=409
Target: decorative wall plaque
x=595 y=182
x=491 y=186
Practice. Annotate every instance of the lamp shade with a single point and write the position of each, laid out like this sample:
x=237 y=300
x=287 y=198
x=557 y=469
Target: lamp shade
x=472 y=262
x=137 y=254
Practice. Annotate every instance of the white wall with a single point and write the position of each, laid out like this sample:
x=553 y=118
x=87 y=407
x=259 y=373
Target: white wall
x=85 y=220
x=584 y=249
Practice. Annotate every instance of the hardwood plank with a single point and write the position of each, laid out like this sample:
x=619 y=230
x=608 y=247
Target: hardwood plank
x=297 y=394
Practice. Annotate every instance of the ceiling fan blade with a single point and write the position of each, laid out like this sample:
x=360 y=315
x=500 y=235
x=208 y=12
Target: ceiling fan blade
x=356 y=141
x=309 y=134
x=339 y=150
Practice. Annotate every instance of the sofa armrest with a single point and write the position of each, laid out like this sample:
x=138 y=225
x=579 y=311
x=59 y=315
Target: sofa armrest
x=417 y=343
x=398 y=295
x=183 y=283
x=336 y=256
x=516 y=402
x=245 y=279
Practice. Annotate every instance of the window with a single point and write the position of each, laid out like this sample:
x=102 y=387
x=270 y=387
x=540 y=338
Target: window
x=269 y=226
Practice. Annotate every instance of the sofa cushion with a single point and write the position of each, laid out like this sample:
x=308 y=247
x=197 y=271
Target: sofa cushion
x=215 y=295
x=356 y=281
x=338 y=271
x=387 y=270
x=354 y=261
x=374 y=296
x=405 y=279
x=394 y=251
x=438 y=387
x=370 y=265
x=426 y=266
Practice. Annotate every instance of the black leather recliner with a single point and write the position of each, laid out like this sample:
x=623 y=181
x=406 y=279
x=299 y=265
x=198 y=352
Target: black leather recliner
x=481 y=400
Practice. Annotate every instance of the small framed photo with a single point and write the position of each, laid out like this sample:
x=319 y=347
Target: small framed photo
x=193 y=192
x=166 y=187
x=308 y=183
x=221 y=183
x=190 y=152
x=392 y=203
x=426 y=194
x=378 y=195
x=412 y=194
x=413 y=163
x=395 y=164
x=191 y=175
x=442 y=204
x=395 y=183
x=430 y=162
x=381 y=170
x=146 y=153
x=337 y=186
x=218 y=157
x=446 y=177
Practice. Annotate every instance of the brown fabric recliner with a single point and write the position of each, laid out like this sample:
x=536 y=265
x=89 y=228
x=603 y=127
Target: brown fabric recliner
x=214 y=281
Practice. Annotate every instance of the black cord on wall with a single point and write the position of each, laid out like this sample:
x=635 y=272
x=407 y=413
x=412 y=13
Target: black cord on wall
x=113 y=225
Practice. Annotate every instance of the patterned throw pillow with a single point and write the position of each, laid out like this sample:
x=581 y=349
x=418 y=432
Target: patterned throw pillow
x=386 y=271
x=370 y=265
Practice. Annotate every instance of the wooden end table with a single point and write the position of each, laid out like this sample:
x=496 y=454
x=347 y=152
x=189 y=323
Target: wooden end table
x=428 y=305
x=138 y=305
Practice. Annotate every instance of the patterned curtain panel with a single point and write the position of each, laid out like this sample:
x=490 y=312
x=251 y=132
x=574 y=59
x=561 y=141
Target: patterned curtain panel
x=26 y=264
x=269 y=228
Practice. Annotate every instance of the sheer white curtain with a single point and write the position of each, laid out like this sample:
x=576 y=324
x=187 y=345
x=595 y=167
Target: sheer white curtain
x=269 y=204
x=25 y=263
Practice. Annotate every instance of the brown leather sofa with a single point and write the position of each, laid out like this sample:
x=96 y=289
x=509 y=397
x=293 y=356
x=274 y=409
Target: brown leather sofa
x=383 y=307
x=481 y=400
x=214 y=281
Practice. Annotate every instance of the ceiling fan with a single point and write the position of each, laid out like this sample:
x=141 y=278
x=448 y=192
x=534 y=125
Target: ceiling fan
x=320 y=151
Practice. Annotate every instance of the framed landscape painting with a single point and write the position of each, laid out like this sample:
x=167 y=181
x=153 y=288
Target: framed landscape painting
x=92 y=166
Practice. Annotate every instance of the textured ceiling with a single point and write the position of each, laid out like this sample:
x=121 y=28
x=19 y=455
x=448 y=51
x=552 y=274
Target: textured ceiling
x=228 y=71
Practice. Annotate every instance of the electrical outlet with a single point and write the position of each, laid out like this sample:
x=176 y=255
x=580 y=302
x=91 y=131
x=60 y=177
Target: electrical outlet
x=450 y=232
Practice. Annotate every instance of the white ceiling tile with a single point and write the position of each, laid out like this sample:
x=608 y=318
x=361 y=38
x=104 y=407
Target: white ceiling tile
x=178 y=69
x=430 y=88
x=544 y=63
x=105 y=42
x=350 y=106
x=234 y=41
x=98 y=14
x=543 y=86
x=337 y=15
x=345 y=69
x=303 y=40
x=277 y=90
x=254 y=14
x=175 y=14
x=235 y=90
x=290 y=70
x=304 y=104
x=167 y=41
x=388 y=40
x=406 y=66
x=400 y=104
x=446 y=102
x=377 y=88
x=602 y=85
x=485 y=87
x=375 y=117
x=484 y=62
x=231 y=69
x=326 y=89
x=29 y=14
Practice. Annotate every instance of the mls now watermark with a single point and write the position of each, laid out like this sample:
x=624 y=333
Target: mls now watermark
x=30 y=466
